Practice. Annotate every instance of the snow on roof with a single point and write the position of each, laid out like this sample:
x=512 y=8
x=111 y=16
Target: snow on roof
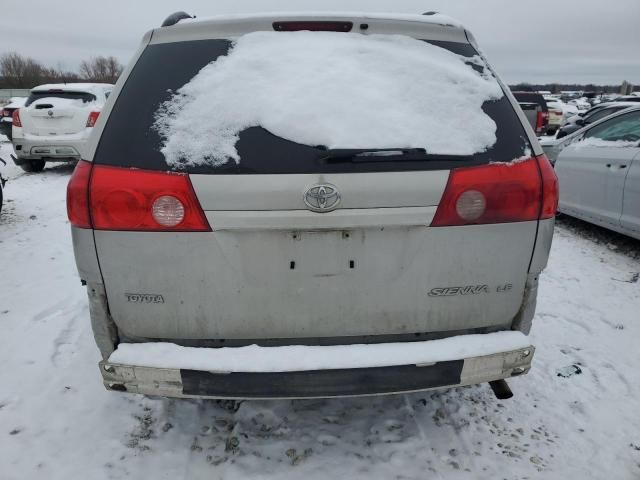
x=73 y=87
x=16 y=102
x=431 y=18
x=340 y=90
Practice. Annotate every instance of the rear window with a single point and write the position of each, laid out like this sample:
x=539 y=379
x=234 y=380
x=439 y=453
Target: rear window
x=531 y=97
x=86 y=97
x=130 y=137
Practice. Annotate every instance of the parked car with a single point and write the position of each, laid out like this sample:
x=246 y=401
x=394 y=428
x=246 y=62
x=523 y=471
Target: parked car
x=580 y=103
x=580 y=114
x=603 y=110
x=568 y=112
x=628 y=98
x=55 y=123
x=6 y=114
x=538 y=116
x=556 y=115
x=598 y=170
x=251 y=235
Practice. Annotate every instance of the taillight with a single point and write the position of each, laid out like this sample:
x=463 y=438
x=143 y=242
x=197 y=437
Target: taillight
x=143 y=200
x=93 y=118
x=499 y=193
x=78 y=195
x=549 y=188
x=16 y=118
x=314 y=26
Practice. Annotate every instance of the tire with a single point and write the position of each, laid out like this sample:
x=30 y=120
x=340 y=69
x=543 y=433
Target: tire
x=33 y=165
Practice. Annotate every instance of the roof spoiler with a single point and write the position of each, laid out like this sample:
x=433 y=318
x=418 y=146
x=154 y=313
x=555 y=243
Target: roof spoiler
x=175 y=18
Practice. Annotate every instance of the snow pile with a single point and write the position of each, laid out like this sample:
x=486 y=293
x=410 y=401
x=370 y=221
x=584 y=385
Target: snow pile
x=598 y=142
x=340 y=90
x=296 y=358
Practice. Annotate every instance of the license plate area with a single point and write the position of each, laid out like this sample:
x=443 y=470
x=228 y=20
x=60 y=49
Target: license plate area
x=325 y=253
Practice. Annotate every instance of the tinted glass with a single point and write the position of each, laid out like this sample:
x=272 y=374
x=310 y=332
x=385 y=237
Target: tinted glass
x=531 y=97
x=129 y=139
x=600 y=114
x=624 y=128
x=84 y=96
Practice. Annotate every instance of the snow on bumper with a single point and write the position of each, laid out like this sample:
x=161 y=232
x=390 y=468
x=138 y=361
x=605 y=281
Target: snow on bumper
x=300 y=371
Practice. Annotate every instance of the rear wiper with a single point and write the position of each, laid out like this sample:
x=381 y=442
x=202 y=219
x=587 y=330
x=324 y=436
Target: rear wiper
x=337 y=155
x=367 y=154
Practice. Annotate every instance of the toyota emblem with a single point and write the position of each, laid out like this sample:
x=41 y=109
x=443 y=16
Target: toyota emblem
x=322 y=198
x=50 y=113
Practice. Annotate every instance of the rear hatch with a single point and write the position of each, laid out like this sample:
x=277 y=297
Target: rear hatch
x=371 y=262
x=56 y=112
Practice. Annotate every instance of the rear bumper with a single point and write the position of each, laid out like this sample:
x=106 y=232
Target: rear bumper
x=319 y=383
x=47 y=148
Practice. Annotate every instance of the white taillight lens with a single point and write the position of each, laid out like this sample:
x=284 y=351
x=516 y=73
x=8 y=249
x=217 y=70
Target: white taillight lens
x=471 y=205
x=168 y=211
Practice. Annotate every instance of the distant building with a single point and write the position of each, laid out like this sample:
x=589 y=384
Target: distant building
x=626 y=88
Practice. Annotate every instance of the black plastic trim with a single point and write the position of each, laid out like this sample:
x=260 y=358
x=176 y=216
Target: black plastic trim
x=322 y=383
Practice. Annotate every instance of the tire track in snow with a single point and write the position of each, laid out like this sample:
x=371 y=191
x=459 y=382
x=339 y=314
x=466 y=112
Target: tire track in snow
x=64 y=344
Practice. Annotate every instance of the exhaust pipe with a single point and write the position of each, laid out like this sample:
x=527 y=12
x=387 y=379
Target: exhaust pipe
x=501 y=389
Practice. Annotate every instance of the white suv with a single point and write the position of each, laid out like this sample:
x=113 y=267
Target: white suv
x=55 y=122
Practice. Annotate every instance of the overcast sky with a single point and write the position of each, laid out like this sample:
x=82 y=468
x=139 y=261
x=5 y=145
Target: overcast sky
x=584 y=41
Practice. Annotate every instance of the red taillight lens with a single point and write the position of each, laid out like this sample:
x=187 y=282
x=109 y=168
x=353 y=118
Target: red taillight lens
x=143 y=200
x=498 y=193
x=78 y=195
x=549 y=188
x=93 y=118
x=313 y=26
x=16 y=118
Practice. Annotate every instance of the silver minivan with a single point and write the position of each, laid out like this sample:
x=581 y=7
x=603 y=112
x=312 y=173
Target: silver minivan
x=236 y=243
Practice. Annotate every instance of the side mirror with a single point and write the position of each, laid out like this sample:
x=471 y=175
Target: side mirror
x=581 y=122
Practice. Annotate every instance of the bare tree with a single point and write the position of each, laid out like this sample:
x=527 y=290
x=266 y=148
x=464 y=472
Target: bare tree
x=20 y=72
x=101 y=69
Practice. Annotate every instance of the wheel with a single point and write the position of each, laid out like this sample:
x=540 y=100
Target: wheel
x=33 y=165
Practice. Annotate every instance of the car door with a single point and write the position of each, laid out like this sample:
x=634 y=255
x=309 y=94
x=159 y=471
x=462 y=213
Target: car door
x=593 y=168
x=630 y=218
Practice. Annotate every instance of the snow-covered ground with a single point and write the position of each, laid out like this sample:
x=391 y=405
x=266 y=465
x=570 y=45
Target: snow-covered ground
x=57 y=421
